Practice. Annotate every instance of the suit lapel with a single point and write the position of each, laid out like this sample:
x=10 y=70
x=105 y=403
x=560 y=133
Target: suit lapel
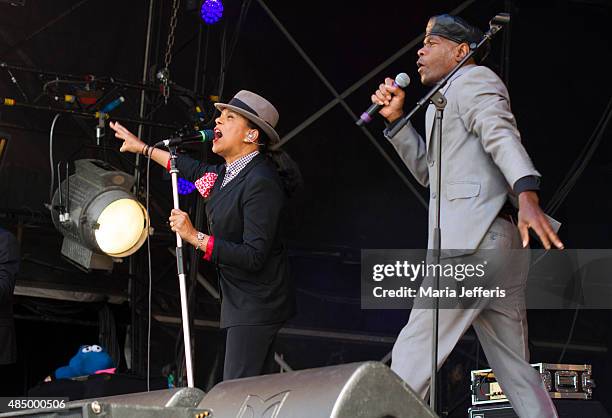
x=217 y=185
x=429 y=116
x=431 y=111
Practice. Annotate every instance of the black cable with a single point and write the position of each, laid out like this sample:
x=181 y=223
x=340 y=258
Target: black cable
x=59 y=81
x=570 y=181
x=224 y=54
x=569 y=335
x=243 y=13
x=59 y=188
x=107 y=334
x=582 y=161
x=52 y=184
x=203 y=83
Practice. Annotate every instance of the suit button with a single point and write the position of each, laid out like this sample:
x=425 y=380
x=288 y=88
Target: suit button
x=433 y=195
x=431 y=163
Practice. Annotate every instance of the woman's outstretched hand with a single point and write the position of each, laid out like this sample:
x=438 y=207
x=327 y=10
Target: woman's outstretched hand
x=131 y=143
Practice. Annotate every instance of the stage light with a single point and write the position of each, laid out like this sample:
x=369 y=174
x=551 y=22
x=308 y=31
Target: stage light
x=211 y=11
x=185 y=186
x=100 y=219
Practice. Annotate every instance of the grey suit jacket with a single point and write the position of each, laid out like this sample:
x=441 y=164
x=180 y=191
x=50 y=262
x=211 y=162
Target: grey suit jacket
x=482 y=156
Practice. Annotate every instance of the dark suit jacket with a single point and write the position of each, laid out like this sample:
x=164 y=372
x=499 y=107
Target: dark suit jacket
x=246 y=218
x=9 y=264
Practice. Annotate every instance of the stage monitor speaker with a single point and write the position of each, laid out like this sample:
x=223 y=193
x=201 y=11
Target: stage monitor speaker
x=368 y=389
x=176 y=397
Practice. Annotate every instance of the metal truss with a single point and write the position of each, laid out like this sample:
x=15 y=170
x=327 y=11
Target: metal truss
x=339 y=98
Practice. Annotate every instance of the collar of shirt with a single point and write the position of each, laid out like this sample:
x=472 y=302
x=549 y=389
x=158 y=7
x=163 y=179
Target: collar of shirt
x=233 y=169
x=462 y=70
x=459 y=73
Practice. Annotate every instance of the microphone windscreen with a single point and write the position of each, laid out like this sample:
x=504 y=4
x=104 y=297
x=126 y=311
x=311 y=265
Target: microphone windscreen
x=402 y=80
x=207 y=134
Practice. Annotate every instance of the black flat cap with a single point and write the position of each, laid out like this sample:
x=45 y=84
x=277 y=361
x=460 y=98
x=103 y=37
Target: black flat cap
x=458 y=30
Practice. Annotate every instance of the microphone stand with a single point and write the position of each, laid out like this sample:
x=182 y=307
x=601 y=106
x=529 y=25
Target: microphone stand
x=439 y=101
x=180 y=269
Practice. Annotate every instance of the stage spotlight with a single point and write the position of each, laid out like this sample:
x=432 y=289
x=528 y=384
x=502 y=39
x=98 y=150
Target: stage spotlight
x=100 y=219
x=211 y=11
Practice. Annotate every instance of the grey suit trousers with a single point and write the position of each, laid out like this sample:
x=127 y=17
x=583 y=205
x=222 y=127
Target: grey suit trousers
x=501 y=326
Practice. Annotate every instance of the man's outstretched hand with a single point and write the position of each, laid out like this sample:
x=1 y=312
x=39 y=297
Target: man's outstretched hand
x=531 y=216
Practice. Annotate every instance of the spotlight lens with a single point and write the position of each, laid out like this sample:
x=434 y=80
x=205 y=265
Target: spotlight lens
x=121 y=225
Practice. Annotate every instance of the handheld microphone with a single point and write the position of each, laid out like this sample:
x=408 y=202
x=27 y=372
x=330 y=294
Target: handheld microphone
x=204 y=135
x=112 y=105
x=401 y=80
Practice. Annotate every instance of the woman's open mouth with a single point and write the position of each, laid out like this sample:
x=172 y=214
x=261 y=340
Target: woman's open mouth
x=218 y=134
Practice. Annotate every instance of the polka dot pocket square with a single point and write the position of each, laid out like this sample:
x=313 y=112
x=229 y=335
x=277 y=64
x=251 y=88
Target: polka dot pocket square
x=205 y=183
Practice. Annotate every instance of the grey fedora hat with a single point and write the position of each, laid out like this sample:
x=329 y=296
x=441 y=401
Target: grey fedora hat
x=256 y=109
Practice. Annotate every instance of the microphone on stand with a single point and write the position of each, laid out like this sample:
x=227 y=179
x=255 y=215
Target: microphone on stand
x=497 y=22
x=501 y=18
x=204 y=135
x=401 y=80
